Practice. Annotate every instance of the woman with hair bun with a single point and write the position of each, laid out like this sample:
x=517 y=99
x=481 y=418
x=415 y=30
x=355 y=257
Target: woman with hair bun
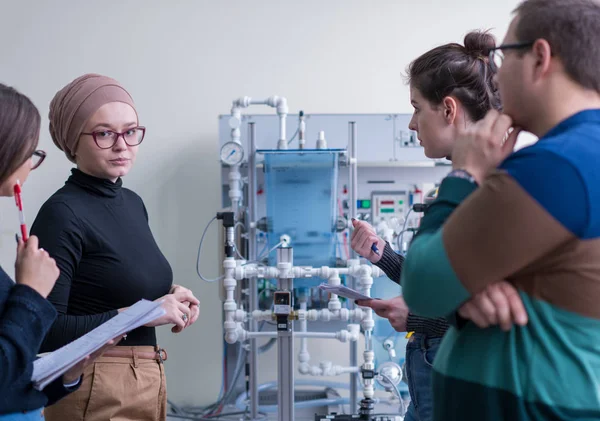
x=451 y=86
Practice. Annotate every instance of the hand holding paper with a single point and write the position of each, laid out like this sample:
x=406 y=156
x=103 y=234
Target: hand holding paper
x=76 y=371
x=51 y=366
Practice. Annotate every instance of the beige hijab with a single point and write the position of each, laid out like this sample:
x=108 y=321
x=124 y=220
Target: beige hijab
x=74 y=104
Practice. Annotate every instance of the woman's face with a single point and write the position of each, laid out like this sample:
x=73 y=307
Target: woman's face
x=115 y=161
x=434 y=125
x=20 y=175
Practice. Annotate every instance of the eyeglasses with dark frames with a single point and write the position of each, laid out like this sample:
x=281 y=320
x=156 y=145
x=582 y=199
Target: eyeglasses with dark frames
x=37 y=157
x=497 y=54
x=106 y=139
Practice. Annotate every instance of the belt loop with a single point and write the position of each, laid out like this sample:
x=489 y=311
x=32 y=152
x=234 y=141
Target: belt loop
x=424 y=342
x=135 y=357
x=162 y=354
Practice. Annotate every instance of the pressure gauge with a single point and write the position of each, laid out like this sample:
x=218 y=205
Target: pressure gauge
x=232 y=153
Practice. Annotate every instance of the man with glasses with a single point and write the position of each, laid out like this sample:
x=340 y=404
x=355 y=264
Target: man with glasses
x=533 y=222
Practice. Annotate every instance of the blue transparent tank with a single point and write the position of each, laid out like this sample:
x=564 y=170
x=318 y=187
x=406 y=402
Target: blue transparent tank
x=301 y=192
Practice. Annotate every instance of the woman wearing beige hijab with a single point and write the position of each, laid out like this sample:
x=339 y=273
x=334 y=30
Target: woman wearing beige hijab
x=98 y=233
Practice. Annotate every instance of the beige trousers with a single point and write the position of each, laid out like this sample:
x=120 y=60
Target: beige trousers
x=116 y=389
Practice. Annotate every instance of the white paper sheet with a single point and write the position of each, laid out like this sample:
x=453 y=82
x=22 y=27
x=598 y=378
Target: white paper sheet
x=49 y=367
x=344 y=291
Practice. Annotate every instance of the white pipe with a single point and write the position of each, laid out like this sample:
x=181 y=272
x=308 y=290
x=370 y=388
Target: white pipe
x=229 y=306
x=376 y=272
x=385 y=232
x=334 y=302
x=234 y=270
x=351 y=335
x=298 y=272
x=303 y=355
x=365 y=280
x=369 y=384
x=326 y=368
x=240 y=315
x=325 y=315
x=282 y=110
x=235 y=122
x=249 y=335
x=277 y=102
x=253 y=270
x=235 y=188
x=262 y=315
x=325 y=335
x=242 y=102
x=282 y=144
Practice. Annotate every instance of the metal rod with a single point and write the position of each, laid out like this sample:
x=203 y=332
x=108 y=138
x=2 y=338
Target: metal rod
x=285 y=374
x=253 y=290
x=285 y=348
x=353 y=182
x=394 y=137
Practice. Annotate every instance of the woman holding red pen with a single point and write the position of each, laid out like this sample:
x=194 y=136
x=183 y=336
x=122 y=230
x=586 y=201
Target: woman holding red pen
x=26 y=315
x=98 y=232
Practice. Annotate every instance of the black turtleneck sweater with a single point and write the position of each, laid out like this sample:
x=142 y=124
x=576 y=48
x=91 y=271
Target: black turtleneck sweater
x=98 y=233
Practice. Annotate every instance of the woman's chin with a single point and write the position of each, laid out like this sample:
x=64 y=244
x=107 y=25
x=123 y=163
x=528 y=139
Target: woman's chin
x=120 y=171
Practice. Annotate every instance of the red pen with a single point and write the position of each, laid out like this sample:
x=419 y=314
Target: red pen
x=19 y=202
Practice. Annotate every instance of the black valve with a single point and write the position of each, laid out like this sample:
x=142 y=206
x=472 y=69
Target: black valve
x=420 y=207
x=228 y=219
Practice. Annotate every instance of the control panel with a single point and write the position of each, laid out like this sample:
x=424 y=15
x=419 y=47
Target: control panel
x=388 y=205
x=363 y=208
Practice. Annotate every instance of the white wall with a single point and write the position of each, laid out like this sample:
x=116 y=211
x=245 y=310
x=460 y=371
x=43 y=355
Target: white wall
x=184 y=61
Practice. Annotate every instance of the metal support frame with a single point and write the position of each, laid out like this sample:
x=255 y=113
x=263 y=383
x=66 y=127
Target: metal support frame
x=285 y=375
x=253 y=290
x=285 y=347
x=353 y=183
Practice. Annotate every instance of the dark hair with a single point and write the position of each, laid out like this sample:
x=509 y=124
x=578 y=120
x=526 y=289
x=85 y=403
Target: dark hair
x=19 y=130
x=572 y=28
x=460 y=71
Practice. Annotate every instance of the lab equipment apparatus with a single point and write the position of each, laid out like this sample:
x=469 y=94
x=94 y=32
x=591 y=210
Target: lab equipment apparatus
x=289 y=206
